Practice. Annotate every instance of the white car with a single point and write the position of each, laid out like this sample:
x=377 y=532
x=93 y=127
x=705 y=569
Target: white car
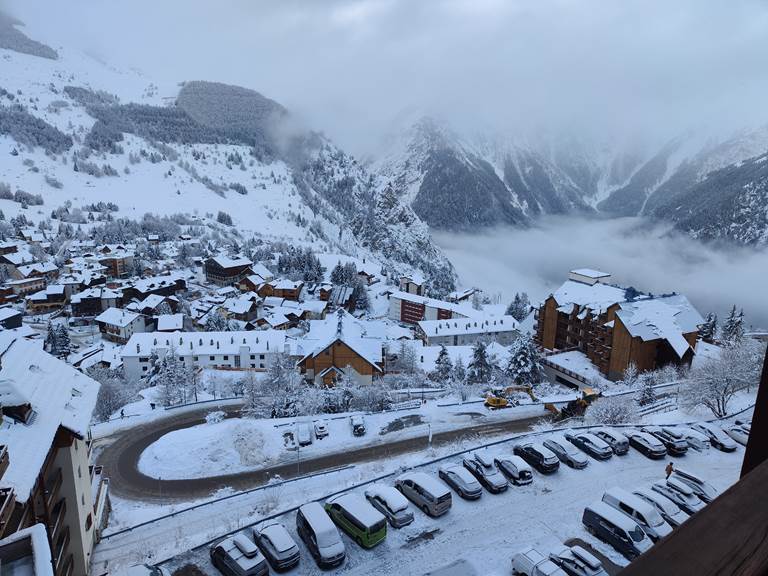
x=577 y=562
x=700 y=487
x=717 y=437
x=737 y=433
x=696 y=440
x=321 y=429
x=303 y=434
x=531 y=562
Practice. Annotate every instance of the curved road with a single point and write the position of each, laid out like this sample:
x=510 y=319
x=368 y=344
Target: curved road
x=120 y=458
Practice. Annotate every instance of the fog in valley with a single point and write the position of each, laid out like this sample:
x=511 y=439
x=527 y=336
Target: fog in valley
x=637 y=253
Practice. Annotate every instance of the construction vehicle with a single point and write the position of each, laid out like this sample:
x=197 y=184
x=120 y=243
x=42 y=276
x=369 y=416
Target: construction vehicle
x=576 y=407
x=502 y=397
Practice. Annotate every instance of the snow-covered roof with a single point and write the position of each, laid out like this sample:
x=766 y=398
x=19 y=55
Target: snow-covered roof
x=193 y=343
x=577 y=362
x=590 y=273
x=262 y=271
x=57 y=393
x=31 y=558
x=278 y=535
x=7 y=312
x=95 y=292
x=168 y=322
x=415 y=277
x=227 y=262
x=458 y=326
x=144 y=285
x=596 y=297
x=431 y=484
x=358 y=507
x=613 y=516
x=324 y=529
x=285 y=284
x=117 y=317
x=462 y=309
x=392 y=496
x=667 y=317
x=38 y=267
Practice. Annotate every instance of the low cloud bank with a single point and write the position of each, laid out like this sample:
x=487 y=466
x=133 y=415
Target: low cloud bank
x=649 y=257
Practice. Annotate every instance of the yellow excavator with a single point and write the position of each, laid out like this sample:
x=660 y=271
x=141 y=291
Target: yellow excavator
x=501 y=397
x=574 y=407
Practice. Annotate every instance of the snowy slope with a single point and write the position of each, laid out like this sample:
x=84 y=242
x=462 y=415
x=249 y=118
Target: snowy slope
x=131 y=144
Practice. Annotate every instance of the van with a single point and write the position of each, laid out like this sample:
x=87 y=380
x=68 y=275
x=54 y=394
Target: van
x=320 y=535
x=239 y=556
x=353 y=514
x=428 y=494
x=640 y=511
x=615 y=528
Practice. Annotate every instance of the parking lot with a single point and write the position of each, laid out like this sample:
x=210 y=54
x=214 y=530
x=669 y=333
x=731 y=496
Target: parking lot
x=489 y=531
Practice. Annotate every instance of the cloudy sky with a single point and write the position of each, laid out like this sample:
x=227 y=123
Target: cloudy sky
x=636 y=67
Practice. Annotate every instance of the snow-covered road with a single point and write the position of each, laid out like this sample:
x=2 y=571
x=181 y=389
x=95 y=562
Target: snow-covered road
x=489 y=531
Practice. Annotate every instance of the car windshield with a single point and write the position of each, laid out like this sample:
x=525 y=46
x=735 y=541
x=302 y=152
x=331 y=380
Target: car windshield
x=637 y=534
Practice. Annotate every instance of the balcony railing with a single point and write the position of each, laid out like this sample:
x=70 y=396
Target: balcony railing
x=7 y=505
x=52 y=487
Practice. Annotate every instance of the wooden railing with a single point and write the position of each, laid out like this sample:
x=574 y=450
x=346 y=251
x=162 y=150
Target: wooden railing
x=7 y=505
x=52 y=486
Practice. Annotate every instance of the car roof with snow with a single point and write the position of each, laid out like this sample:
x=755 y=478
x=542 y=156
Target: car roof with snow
x=278 y=535
x=242 y=551
x=612 y=515
x=484 y=458
x=429 y=483
x=390 y=495
x=324 y=528
x=540 y=448
x=615 y=434
x=459 y=471
x=516 y=461
x=649 y=438
x=634 y=501
x=664 y=503
x=359 y=507
x=680 y=486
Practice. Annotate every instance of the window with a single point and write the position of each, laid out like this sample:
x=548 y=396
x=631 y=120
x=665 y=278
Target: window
x=261 y=356
x=212 y=358
x=195 y=358
x=253 y=356
x=261 y=365
x=143 y=368
x=226 y=357
x=88 y=522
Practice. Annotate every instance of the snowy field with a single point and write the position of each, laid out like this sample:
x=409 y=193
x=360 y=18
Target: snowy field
x=240 y=444
x=489 y=531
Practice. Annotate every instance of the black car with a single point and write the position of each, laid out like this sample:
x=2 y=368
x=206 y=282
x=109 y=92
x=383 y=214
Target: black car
x=676 y=446
x=538 y=456
x=590 y=444
x=647 y=444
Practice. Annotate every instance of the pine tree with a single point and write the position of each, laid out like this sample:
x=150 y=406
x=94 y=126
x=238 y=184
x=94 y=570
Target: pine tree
x=647 y=393
x=63 y=343
x=524 y=368
x=733 y=327
x=708 y=330
x=480 y=368
x=216 y=322
x=51 y=340
x=443 y=367
x=519 y=307
x=459 y=373
x=360 y=297
x=163 y=308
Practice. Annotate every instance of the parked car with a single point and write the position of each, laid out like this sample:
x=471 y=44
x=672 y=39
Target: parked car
x=391 y=503
x=738 y=433
x=575 y=561
x=427 y=492
x=460 y=479
x=531 y=562
x=640 y=511
x=675 y=445
x=538 y=456
x=514 y=468
x=680 y=494
x=321 y=429
x=670 y=511
x=745 y=424
x=647 y=444
x=358 y=425
x=717 y=437
x=303 y=434
x=320 y=535
x=616 y=440
x=615 y=528
x=238 y=556
x=695 y=439
x=704 y=490
x=353 y=514
x=481 y=466
x=590 y=444
x=276 y=544
x=566 y=452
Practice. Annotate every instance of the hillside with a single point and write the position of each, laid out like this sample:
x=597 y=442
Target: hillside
x=77 y=132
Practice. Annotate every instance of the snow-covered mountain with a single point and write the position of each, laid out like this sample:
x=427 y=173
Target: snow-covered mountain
x=708 y=188
x=75 y=131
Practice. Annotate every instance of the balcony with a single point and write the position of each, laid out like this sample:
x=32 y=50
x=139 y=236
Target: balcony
x=4 y=459
x=52 y=486
x=7 y=506
x=57 y=519
x=60 y=556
